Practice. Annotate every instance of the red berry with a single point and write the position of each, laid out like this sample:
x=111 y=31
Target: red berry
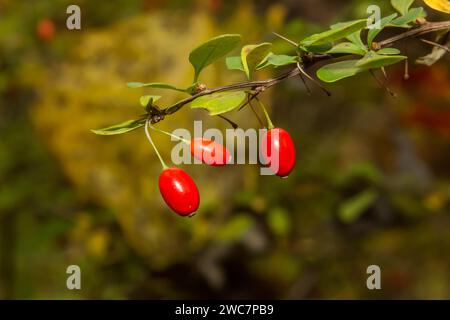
x=279 y=141
x=45 y=30
x=179 y=191
x=210 y=152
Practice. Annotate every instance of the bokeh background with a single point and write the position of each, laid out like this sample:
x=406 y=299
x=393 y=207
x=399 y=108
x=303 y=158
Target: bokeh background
x=372 y=183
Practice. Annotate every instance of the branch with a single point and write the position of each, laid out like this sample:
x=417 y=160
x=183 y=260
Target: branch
x=423 y=29
x=260 y=85
x=436 y=45
x=307 y=61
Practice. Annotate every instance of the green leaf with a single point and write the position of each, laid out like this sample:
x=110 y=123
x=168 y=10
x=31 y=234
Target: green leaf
x=221 y=102
x=355 y=38
x=234 y=63
x=411 y=16
x=347 y=48
x=318 y=48
x=373 y=60
x=402 y=6
x=375 y=31
x=211 y=51
x=389 y=51
x=253 y=55
x=339 y=70
x=158 y=85
x=145 y=100
x=278 y=220
x=279 y=60
x=337 y=32
x=351 y=210
x=121 y=127
x=234 y=228
x=359 y=171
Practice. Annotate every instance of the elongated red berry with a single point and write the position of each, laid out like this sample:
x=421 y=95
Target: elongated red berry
x=210 y=152
x=179 y=191
x=279 y=151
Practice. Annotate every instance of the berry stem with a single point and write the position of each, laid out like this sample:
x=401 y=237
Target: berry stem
x=266 y=114
x=153 y=145
x=170 y=134
x=254 y=111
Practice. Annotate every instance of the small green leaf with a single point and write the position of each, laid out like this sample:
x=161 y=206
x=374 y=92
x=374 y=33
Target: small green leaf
x=157 y=85
x=411 y=16
x=121 y=127
x=375 y=31
x=373 y=60
x=278 y=220
x=318 y=48
x=339 y=70
x=355 y=38
x=337 y=32
x=402 y=6
x=359 y=171
x=234 y=228
x=253 y=55
x=221 y=102
x=351 y=210
x=145 y=100
x=212 y=50
x=347 y=48
x=279 y=60
x=389 y=51
x=234 y=63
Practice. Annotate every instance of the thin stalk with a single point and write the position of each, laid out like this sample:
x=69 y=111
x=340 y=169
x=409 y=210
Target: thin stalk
x=406 y=75
x=254 y=112
x=266 y=114
x=170 y=134
x=164 y=166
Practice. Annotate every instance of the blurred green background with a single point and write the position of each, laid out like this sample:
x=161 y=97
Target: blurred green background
x=371 y=186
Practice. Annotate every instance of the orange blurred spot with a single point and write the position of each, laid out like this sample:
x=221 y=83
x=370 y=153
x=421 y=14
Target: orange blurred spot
x=45 y=30
x=431 y=118
x=425 y=82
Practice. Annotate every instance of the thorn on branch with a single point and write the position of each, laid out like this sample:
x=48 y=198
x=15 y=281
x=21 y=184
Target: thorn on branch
x=233 y=124
x=308 y=89
x=303 y=72
x=249 y=99
x=383 y=70
x=286 y=39
x=436 y=44
x=256 y=114
x=310 y=59
x=383 y=85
